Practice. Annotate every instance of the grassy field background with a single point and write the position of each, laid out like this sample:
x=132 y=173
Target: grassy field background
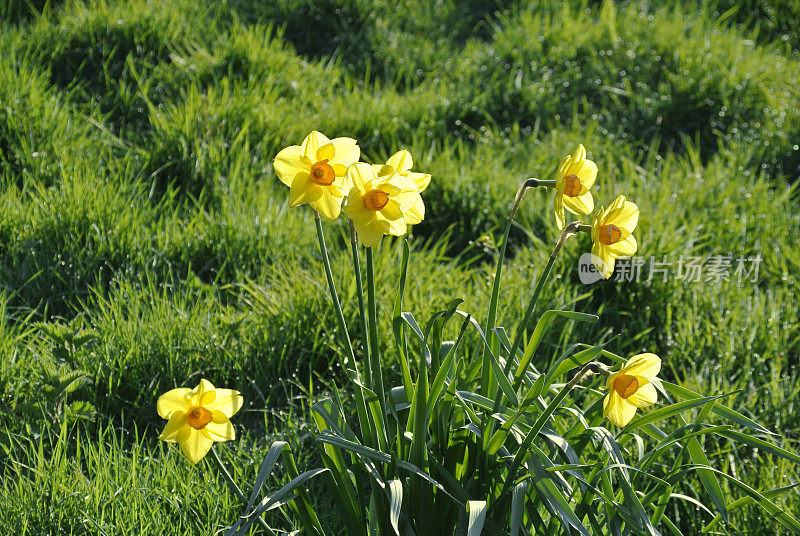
x=145 y=241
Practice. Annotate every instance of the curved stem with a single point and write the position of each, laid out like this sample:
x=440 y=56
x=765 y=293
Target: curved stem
x=487 y=385
x=568 y=231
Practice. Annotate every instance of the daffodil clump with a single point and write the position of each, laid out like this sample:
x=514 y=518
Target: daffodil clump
x=473 y=431
x=380 y=199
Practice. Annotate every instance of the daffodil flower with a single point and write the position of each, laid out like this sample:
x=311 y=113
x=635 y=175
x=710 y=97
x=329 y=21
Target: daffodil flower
x=379 y=205
x=612 y=236
x=631 y=388
x=315 y=172
x=576 y=175
x=401 y=163
x=198 y=417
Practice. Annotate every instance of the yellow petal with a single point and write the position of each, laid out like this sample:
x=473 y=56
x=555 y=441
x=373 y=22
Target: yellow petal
x=645 y=365
x=347 y=152
x=371 y=233
x=400 y=161
x=623 y=248
x=339 y=170
x=581 y=205
x=603 y=260
x=220 y=428
x=422 y=180
x=617 y=410
x=580 y=153
x=587 y=173
x=328 y=205
x=359 y=174
x=415 y=213
x=558 y=210
x=622 y=213
x=288 y=164
x=391 y=211
x=646 y=395
x=196 y=395
x=176 y=424
x=304 y=190
x=196 y=446
x=312 y=143
x=564 y=166
x=355 y=209
x=172 y=401
x=326 y=152
x=227 y=402
x=610 y=381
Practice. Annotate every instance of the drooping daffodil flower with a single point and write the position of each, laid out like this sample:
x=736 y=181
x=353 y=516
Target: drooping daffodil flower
x=576 y=175
x=631 y=388
x=612 y=234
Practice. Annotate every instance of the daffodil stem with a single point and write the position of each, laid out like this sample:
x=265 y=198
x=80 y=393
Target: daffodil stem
x=375 y=354
x=361 y=306
x=587 y=370
x=535 y=183
x=568 y=231
x=486 y=380
x=361 y=407
x=491 y=319
x=334 y=295
x=235 y=488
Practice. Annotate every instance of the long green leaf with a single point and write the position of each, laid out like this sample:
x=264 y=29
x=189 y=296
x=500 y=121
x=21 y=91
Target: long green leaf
x=538 y=333
x=265 y=470
x=477 y=517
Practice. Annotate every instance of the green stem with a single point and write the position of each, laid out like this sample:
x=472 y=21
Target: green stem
x=488 y=386
x=375 y=354
x=568 y=231
x=235 y=488
x=361 y=407
x=361 y=306
x=334 y=295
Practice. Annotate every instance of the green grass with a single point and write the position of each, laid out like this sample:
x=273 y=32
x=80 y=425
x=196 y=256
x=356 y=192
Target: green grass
x=146 y=242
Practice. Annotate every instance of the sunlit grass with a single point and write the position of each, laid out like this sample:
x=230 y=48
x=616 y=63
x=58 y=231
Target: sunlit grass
x=145 y=241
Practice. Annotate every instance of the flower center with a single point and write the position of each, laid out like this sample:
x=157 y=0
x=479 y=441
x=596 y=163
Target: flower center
x=375 y=199
x=626 y=385
x=198 y=417
x=322 y=173
x=609 y=234
x=572 y=185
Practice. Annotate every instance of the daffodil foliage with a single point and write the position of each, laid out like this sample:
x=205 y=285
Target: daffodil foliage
x=470 y=428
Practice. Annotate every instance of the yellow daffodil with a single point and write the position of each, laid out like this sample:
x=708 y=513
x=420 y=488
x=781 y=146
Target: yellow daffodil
x=576 y=175
x=401 y=164
x=631 y=388
x=380 y=205
x=612 y=236
x=315 y=172
x=198 y=417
